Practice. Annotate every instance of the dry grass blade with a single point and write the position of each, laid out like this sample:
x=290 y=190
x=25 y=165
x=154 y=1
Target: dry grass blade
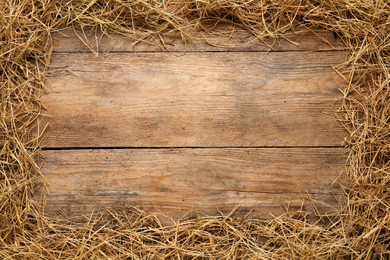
x=361 y=230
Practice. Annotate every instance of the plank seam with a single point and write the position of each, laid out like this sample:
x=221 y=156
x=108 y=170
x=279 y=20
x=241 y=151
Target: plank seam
x=192 y=51
x=303 y=193
x=189 y=147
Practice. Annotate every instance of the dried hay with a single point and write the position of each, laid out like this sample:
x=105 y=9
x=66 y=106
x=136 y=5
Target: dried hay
x=361 y=230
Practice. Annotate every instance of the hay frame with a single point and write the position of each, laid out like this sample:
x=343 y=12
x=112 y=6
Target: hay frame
x=361 y=230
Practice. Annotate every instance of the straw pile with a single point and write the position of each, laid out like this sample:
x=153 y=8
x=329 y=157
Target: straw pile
x=361 y=230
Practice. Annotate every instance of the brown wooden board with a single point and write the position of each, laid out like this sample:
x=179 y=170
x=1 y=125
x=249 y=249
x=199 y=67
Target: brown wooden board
x=222 y=39
x=179 y=128
x=176 y=181
x=193 y=100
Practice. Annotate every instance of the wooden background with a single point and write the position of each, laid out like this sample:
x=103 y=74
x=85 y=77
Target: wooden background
x=197 y=127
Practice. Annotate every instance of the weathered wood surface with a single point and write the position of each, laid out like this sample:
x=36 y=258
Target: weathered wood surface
x=217 y=94
x=177 y=181
x=193 y=100
x=223 y=39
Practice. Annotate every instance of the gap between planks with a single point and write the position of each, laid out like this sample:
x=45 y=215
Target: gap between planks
x=187 y=147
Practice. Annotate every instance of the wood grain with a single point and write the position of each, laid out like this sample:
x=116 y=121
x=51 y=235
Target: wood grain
x=177 y=181
x=222 y=39
x=195 y=100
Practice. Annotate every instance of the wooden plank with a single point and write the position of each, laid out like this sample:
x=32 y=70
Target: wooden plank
x=222 y=39
x=196 y=100
x=176 y=181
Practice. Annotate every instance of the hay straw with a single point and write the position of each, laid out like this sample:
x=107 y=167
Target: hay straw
x=361 y=230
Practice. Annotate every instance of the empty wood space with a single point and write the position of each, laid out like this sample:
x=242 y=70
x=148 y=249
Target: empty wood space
x=197 y=128
x=185 y=180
